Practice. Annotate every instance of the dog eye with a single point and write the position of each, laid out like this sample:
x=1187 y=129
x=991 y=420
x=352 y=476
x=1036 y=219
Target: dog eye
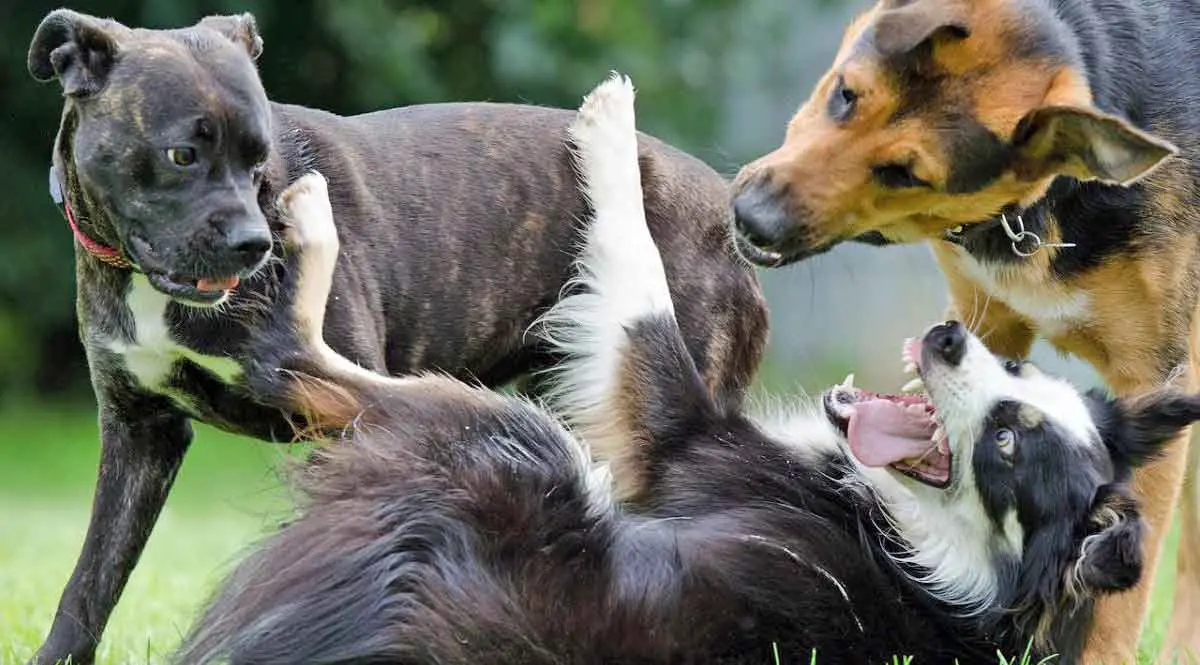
x=1013 y=367
x=843 y=101
x=897 y=176
x=1005 y=440
x=182 y=156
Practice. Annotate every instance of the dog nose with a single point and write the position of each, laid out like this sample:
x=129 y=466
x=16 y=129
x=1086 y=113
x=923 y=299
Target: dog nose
x=760 y=217
x=248 y=243
x=947 y=340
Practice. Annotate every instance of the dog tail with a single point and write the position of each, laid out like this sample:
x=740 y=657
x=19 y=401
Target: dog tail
x=627 y=380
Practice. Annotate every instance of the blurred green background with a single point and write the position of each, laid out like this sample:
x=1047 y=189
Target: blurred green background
x=718 y=78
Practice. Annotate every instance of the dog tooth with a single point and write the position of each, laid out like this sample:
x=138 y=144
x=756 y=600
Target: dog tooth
x=848 y=382
x=914 y=386
x=910 y=367
x=940 y=440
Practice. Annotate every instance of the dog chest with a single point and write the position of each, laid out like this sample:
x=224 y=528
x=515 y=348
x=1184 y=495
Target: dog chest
x=153 y=354
x=1052 y=308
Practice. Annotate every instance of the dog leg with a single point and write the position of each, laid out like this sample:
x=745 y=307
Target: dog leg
x=1183 y=635
x=138 y=462
x=619 y=335
x=1119 y=618
x=290 y=366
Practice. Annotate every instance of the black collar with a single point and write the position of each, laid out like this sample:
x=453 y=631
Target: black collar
x=1013 y=235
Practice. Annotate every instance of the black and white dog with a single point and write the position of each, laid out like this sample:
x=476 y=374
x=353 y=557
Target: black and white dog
x=461 y=526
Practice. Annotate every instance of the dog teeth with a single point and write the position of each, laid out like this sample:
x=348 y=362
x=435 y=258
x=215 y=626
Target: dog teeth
x=940 y=440
x=848 y=382
x=910 y=367
x=914 y=386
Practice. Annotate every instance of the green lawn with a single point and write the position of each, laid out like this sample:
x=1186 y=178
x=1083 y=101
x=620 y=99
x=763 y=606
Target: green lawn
x=226 y=495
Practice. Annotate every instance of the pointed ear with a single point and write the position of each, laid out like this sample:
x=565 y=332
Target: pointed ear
x=1086 y=144
x=1110 y=556
x=75 y=48
x=240 y=29
x=901 y=30
x=1136 y=429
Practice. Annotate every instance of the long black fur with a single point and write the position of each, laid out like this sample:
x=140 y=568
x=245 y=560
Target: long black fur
x=477 y=540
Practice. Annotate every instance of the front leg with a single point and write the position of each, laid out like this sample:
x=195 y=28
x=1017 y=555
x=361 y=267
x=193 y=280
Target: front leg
x=143 y=442
x=289 y=365
x=1119 y=618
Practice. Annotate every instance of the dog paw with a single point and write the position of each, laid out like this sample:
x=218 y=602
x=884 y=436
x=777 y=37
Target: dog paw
x=607 y=113
x=307 y=215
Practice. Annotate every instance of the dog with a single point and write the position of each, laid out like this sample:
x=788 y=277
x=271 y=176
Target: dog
x=1046 y=150
x=448 y=524
x=456 y=224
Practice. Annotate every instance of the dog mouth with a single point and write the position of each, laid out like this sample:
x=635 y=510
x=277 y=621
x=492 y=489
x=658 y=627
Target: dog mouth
x=771 y=258
x=203 y=291
x=897 y=431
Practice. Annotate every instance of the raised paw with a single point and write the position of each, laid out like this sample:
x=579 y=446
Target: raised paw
x=307 y=216
x=608 y=110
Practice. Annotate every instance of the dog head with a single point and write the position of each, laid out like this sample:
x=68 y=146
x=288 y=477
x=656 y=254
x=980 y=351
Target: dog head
x=935 y=114
x=1009 y=484
x=164 y=143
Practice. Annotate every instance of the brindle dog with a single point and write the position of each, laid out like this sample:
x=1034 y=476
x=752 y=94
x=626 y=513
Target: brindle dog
x=457 y=226
x=1047 y=150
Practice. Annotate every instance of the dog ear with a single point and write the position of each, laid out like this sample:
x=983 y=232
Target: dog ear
x=77 y=49
x=1110 y=556
x=1136 y=429
x=240 y=29
x=900 y=30
x=1086 y=144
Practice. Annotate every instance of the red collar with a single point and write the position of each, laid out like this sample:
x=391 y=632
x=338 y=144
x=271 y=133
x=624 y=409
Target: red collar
x=107 y=255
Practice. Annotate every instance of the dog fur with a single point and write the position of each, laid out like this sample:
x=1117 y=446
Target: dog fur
x=449 y=524
x=456 y=224
x=940 y=120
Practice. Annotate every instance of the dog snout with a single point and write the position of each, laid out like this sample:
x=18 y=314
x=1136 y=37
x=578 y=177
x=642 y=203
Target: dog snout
x=247 y=241
x=947 y=342
x=761 y=216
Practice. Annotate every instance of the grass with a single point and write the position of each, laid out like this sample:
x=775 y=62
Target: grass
x=226 y=495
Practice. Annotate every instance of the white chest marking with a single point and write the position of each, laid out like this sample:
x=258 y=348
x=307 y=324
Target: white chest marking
x=153 y=354
x=1052 y=308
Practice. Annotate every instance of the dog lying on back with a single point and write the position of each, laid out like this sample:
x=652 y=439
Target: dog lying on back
x=454 y=525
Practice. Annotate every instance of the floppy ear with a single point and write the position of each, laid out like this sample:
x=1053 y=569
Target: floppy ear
x=1086 y=144
x=1110 y=556
x=901 y=30
x=75 y=48
x=240 y=29
x=1135 y=429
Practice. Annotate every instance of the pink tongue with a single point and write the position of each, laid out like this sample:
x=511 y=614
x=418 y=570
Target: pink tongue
x=217 y=284
x=883 y=433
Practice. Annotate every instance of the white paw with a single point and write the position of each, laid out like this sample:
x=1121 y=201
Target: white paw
x=608 y=108
x=307 y=215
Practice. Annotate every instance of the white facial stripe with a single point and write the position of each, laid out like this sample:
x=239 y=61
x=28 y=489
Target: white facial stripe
x=964 y=396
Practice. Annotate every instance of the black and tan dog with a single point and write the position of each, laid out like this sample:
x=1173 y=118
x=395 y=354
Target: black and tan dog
x=1047 y=151
x=457 y=224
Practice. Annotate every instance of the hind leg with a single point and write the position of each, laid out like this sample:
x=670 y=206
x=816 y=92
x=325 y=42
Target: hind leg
x=626 y=370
